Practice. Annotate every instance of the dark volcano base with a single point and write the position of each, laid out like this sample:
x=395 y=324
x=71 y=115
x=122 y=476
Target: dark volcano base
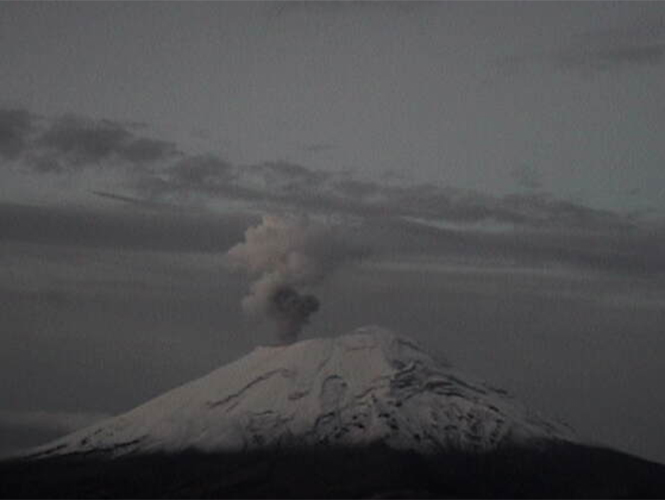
x=558 y=471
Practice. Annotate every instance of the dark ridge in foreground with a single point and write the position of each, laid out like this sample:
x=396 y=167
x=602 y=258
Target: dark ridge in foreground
x=561 y=470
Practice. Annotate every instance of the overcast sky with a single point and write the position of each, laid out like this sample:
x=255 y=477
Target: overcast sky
x=502 y=164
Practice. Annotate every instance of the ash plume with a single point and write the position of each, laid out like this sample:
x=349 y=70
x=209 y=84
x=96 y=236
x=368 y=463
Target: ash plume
x=286 y=257
x=291 y=311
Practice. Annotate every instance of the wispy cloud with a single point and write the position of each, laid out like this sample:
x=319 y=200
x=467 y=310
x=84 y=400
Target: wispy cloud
x=162 y=230
x=634 y=252
x=71 y=142
x=608 y=58
x=527 y=176
x=15 y=125
x=299 y=187
x=154 y=171
x=319 y=147
x=627 y=47
x=159 y=184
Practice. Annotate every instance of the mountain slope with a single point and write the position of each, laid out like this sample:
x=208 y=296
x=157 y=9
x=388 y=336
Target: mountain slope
x=369 y=414
x=371 y=386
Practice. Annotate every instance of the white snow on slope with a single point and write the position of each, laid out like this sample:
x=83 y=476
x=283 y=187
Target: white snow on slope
x=371 y=385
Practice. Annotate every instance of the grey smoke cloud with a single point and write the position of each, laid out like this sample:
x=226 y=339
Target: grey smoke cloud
x=286 y=257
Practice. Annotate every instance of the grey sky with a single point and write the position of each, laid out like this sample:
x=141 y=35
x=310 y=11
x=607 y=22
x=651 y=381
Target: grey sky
x=502 y=161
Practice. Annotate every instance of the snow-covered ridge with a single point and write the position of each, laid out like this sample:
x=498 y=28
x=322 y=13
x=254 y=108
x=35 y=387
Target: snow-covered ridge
x=368 y=386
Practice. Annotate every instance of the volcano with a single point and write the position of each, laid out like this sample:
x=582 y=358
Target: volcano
x=371 y=413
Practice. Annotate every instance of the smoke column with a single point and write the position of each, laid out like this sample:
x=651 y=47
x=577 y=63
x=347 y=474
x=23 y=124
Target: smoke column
x=285 y=257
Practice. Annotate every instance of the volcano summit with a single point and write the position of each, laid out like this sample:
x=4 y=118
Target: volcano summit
x=365 y=414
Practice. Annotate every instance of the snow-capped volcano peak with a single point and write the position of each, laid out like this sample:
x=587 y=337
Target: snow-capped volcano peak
x=368 y=386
